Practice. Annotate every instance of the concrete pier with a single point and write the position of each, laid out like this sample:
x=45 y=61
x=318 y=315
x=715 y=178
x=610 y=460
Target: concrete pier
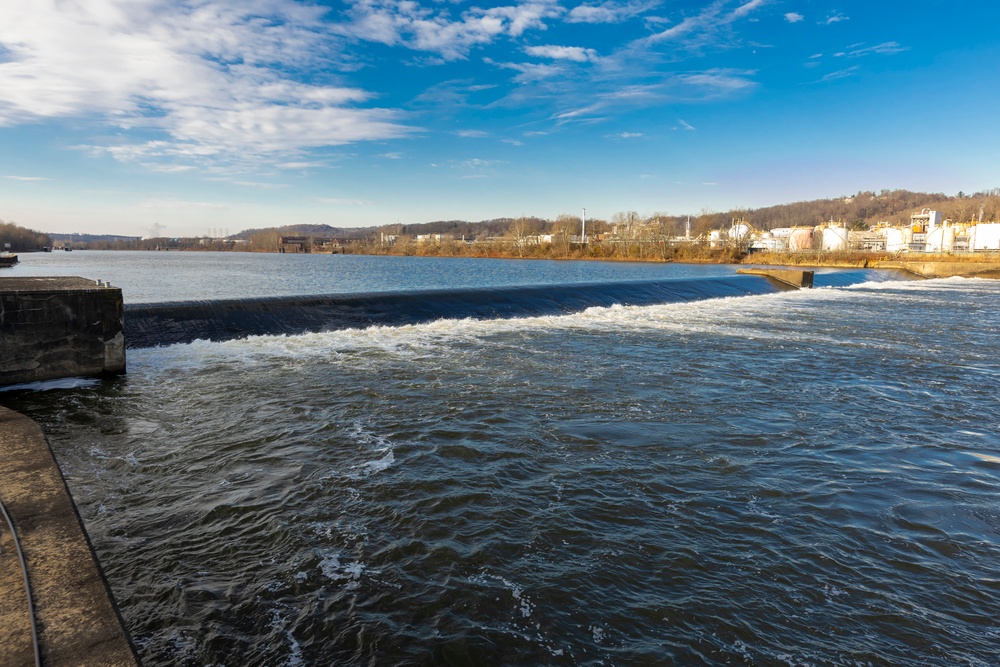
x=75 y=614
x=793 y=277
x=945 y=269
x=59 y=327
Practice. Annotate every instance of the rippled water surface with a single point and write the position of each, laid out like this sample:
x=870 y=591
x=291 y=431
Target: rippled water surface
x=803 y=478
x=147 y=277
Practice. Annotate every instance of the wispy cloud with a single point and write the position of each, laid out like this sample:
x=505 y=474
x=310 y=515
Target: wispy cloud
x=840 y=74
x=883 y=49
x=27 y=178
x=574 y=53
x=794 y=17
x=168 y=168
x=608 y=12
x=626 y=135
x=406 y=23
x=214 y=77
x=835 y=18
x=721 y=81
x=472 y=134
x=395 y=155
x=706 y=24
x=683 y=125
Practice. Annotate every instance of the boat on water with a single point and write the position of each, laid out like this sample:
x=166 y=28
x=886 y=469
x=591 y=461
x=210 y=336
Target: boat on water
x=7 y=260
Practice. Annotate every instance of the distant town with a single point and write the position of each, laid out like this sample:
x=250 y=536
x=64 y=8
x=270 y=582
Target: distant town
x=883 y=224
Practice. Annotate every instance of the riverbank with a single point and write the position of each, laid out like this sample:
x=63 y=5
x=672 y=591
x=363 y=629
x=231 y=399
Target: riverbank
x=76 y=618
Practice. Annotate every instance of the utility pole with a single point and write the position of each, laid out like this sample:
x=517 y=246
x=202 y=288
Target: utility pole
x=583 y=227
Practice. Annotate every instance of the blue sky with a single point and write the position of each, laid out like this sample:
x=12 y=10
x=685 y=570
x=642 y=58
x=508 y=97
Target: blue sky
x=184 y=116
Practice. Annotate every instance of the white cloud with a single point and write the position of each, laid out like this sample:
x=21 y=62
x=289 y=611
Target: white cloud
x=836 y=18
x=608 y=12
x=472 y=134
x=884 y=49
x=529 y=72
x=512 y=142
x=684 y=125
x=27 y=178
x=215 y=76
x=705 y=25
x=840 y=74
x=406 y=23
x=167 y=168
x=721 y=80
x=300 y=165
x=747 y=7
x=395 y=155
x=574 y=53
x=794 y=17
x=628 y=135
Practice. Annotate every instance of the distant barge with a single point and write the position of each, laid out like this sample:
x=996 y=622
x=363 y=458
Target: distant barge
x=7 y=260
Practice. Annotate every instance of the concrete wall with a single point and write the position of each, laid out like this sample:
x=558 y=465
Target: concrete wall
x=74 y=611
x=59 y=327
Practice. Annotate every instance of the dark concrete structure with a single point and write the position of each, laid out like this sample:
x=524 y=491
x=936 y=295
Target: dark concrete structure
x=59 y=327
x=75 y=614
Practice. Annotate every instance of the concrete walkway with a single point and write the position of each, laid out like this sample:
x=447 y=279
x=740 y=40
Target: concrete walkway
x=77 y=621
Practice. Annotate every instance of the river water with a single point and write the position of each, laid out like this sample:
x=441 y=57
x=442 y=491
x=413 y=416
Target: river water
x=800 y=478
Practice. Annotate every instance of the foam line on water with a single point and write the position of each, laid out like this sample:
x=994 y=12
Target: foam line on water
x=169 y=323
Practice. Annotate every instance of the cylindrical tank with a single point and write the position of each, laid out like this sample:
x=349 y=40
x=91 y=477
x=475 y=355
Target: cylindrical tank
x=800 y=239
x=935 y=240
x=835 y=238
x=985 y=237
x=894 y=240
x=716 y=238
x=948 y=244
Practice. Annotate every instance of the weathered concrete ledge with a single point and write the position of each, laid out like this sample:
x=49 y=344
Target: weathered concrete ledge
x=59 y=327
x=77 y=620
x=792 y=277
x=946 y=269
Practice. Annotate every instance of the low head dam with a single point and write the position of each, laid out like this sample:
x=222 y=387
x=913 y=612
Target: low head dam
x=149 y=325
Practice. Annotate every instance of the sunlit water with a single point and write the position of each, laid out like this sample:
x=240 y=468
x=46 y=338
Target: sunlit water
x=803 y=478
x=149 y=277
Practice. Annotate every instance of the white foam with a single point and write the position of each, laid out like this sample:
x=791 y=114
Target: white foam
x=334 y=570
x=729 y=317
x=49 y=385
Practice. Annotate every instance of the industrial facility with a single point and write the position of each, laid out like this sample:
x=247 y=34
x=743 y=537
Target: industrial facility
x=927 y=232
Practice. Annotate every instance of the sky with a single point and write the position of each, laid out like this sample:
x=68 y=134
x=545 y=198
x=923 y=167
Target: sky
x=207 y=117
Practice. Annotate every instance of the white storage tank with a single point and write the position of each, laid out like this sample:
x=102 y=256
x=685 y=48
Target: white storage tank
x=894 y=241
x=985 y=236
x=800 y=239
x=740 y=231
x=835 y=238
x=940 y=239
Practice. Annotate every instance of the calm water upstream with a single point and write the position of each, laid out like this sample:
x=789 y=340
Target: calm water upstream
x=801 y=478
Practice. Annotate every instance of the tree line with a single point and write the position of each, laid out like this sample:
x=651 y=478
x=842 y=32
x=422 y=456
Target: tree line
x=21 y=239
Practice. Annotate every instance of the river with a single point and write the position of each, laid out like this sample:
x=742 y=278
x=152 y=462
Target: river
x=799 y=478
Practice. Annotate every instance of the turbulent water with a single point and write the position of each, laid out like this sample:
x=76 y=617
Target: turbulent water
x=800 y=478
